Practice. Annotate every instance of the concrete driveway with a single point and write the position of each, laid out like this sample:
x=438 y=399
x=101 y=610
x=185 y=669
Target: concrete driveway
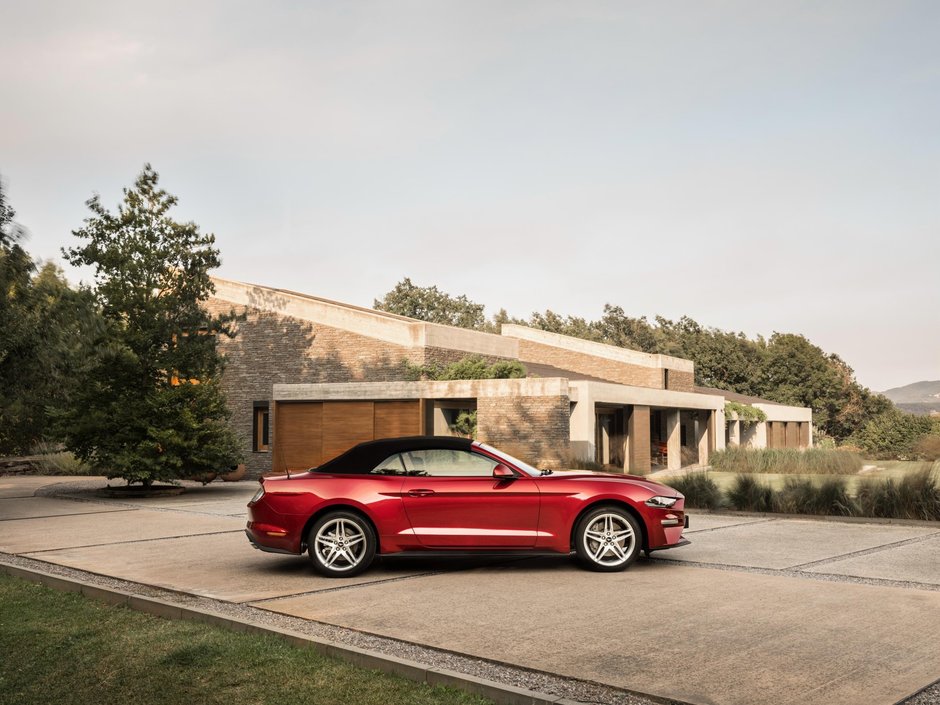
x=756 y=610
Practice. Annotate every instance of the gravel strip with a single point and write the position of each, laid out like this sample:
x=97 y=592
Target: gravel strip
x=928 y=696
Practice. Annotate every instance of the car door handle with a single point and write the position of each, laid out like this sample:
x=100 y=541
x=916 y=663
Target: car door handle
x=420 y=493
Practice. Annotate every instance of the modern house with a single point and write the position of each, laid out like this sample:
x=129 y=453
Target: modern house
x=307 y=378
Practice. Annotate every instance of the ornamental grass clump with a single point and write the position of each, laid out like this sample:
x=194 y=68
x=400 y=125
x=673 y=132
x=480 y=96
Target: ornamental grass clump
x=801 y=495
x=700 y=491
x=748 y=494
x=915 y=496
x=811 y=461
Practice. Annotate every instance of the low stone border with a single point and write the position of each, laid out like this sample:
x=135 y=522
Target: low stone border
x=503 y=694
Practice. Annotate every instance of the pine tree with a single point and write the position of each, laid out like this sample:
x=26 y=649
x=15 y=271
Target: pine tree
x=150 y=406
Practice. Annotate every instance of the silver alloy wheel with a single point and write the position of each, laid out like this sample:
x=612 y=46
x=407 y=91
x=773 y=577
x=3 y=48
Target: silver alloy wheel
x=340 y=544
x=609 y=540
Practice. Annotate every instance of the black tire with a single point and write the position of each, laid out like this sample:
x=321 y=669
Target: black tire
x=608 y=539
x=341 y=544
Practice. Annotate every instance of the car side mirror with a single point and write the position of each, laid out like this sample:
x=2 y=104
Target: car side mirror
x=502 y=472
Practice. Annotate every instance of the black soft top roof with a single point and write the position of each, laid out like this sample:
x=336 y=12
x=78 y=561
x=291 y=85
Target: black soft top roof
x=361 y=459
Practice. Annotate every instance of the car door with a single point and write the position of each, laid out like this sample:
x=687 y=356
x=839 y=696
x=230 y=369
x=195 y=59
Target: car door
x=453 y=501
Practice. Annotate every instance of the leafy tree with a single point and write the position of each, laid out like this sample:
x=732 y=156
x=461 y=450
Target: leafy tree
x=794 y=371
x=44 y=327
x=856 y=405
x=150 y=407
x=574 y=326
x=722 y=359
x=428 y=303
x=617 y=328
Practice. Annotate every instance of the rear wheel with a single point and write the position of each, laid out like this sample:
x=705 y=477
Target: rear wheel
x=341 y=544
x=608 y=539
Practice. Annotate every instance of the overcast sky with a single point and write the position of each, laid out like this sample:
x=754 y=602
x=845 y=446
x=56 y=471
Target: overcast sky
x=758 y=166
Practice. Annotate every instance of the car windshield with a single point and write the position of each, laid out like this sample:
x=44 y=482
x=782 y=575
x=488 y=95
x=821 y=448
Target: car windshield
x=515 y=462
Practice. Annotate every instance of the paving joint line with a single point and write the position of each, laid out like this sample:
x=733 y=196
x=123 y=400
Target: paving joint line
x=119 y=543
x=70 y=514
x=790 y=573
x=732 y=526
x=338 y=588
x=880 y=582
x=865 y=551
x=128 y=505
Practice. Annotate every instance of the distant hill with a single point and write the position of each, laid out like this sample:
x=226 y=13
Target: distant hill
x=917 y=398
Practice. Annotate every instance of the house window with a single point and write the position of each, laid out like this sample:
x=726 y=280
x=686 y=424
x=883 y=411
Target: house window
x=261 y=427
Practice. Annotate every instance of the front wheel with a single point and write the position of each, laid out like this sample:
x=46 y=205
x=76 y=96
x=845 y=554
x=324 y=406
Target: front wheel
x=341 y=544
x=608 y=539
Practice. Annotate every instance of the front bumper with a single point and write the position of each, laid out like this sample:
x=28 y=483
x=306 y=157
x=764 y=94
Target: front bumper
x=674 y=537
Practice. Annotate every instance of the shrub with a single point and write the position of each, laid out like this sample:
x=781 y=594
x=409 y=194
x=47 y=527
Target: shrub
x=812 y=461
x=469 y=367
x=700 y=491
x=915 y=496
x=50 y=459
x=801 y=495
x=466 y=424
x=894 y=434
x=928 y=447
x=749 y=495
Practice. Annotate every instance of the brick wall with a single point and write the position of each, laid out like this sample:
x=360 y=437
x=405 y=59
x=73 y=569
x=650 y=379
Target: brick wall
x=622 y=372
x=534 y=429
x=446 y=356
x=680 y=381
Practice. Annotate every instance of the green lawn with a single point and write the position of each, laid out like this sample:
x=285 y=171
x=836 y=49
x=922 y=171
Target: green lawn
x=62 y=648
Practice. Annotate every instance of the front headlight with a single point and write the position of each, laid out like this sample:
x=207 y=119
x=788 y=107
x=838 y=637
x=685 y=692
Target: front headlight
x=258 y=495
x=661 y=502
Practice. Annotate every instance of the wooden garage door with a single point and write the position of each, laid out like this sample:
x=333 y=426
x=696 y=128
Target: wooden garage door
x=297 y=436
x=346 y=423
x=397 y=418
x=307 y=434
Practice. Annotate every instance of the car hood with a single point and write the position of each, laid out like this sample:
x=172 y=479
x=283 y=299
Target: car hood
x=651 y=485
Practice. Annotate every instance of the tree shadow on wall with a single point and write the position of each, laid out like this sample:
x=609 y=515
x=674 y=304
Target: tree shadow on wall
x=523 y=433
x=266 y=300
x=273 y=349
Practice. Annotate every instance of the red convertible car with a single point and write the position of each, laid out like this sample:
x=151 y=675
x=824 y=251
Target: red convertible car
x=451 y=495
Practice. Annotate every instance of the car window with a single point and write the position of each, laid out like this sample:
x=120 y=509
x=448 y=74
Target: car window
x=447 y=463
x=392 y=465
